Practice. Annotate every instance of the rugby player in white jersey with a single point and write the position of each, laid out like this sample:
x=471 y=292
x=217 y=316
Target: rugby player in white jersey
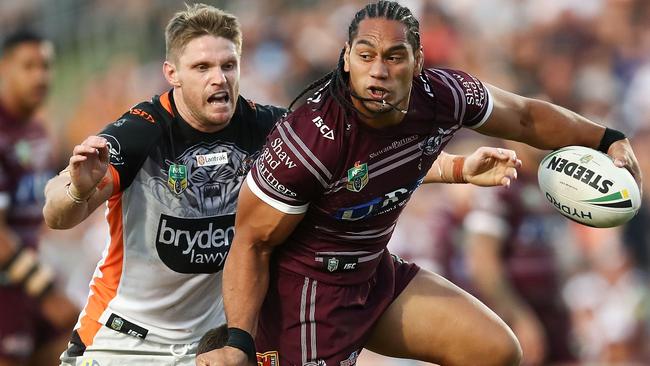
x=168 y=171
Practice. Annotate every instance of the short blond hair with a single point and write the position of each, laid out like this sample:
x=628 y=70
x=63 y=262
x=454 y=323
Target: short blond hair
x=199 y=20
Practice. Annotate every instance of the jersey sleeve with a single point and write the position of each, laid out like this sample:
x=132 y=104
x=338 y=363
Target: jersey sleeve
x=130 y=139
x=471 y=99
x=290 y=171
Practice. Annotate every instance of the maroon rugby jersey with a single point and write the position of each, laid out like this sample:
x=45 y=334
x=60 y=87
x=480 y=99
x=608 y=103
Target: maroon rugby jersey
x=26 y=164
x=351 y=180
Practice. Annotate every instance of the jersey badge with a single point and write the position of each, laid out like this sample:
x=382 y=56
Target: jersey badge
x=268 y=359
x=332 y=264
x=357 y=177
x=177 y=178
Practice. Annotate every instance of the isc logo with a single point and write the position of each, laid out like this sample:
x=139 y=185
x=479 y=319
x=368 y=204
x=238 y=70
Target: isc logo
x=324 y=129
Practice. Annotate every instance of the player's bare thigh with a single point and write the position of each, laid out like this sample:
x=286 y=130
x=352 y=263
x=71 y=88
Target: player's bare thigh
x=435 y=321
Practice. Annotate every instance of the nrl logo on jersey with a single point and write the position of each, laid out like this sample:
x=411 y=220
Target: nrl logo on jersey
x=177 y=178
x=357 y=177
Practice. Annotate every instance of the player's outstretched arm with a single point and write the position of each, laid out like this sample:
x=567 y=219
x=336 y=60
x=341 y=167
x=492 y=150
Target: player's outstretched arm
x=79 y=189
x=259 y=228
x=487 y=166
x=547 y=126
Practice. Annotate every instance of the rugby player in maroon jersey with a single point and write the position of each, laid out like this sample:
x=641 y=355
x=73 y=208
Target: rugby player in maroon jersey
x=511 y=262
x=308 y=273
x=33 y=315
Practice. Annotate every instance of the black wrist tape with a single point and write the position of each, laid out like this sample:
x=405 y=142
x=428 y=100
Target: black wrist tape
x=609 y=137
x=242 y=340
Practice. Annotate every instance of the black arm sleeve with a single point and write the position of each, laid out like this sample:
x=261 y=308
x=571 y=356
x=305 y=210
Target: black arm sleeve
x=130 y=139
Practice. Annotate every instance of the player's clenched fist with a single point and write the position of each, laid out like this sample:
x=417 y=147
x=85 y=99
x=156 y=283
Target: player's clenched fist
x=88 y=165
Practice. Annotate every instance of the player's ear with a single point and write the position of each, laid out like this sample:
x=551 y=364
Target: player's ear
x=419 y=62
x=169 y=70
x=346 y=58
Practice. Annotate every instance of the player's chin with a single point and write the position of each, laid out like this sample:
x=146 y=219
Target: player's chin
x=376 y=106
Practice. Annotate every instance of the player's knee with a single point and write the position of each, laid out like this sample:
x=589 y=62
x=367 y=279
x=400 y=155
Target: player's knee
x=505 y=349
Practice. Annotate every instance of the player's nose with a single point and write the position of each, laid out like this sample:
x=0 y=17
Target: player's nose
x=378 y=69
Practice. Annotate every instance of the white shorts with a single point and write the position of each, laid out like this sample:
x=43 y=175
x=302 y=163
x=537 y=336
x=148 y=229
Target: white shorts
x=113 y=348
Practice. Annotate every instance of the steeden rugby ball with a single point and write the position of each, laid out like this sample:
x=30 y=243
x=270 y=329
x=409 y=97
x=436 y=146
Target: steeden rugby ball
x=584 y=185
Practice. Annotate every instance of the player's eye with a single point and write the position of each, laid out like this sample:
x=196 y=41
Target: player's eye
x=201 y=67
x=394 y=58
x=365 y=56
x=229 y=66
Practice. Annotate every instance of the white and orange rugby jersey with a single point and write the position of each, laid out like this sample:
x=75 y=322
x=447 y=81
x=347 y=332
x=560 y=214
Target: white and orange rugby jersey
x=171 y=220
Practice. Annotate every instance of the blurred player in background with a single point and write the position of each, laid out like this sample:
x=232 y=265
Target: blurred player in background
x=34 y=316
x=511 y=262
x=309 y=273
x=169 y=170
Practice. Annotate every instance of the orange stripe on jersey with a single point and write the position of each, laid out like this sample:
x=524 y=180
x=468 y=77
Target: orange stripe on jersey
x=104 y=288
x=116 y=179
x=166 y=103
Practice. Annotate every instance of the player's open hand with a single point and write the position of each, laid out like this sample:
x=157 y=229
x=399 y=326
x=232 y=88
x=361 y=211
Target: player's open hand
x=621 y=152
x=88 y=165
x=226 y=356
x=490 y=166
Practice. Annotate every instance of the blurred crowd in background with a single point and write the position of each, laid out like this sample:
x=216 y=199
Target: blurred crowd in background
x=591 y=56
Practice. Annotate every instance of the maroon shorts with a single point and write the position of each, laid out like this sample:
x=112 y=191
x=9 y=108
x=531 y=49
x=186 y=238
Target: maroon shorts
x=306 y=322
x=22 y=327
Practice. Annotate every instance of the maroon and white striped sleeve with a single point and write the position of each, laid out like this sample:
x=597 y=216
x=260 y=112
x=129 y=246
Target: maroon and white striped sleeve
x=290 y=171
x=471 y=99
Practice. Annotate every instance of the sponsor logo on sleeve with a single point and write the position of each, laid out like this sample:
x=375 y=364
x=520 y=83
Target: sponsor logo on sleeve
x=195 y=245
x=90 y=362
x=474 y=94
x=143 y=114
x=268 y=359
x=357 y=177
x=272 y=181
x=114 y=149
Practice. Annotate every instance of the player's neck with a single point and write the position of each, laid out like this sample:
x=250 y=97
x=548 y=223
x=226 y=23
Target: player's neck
x=380 y=120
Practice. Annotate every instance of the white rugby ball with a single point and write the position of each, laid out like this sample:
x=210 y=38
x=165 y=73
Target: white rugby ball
x=584 y=185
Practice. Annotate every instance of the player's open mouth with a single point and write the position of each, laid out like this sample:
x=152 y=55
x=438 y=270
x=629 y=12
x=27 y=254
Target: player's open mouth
x=377 y=92
x=221 y=97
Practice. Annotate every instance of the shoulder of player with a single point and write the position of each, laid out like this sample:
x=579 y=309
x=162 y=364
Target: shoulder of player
x=258 y=115
x=146 y=115
x=315 y=134
x=446 y=79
